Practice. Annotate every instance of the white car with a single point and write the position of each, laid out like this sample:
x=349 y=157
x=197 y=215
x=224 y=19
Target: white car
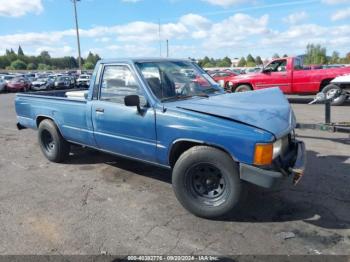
x=2 y=85
x=7 y=78
x=83 y=80
x=339 y=86
x=42 y=84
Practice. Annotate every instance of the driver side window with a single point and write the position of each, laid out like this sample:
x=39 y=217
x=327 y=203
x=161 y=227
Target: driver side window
x=117 y=83
x=278 y=66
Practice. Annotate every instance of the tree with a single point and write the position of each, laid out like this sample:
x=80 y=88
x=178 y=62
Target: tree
x=11 y=55
x=258 y=60
x=250 y=59
x=204 y=61
x=91 y=58
x=285 y=55
x=208 y=65
x=20 y=51
x=226 y=62
x=4 y=62
x=334 y=58
x=275 y=56
x=42 y=66
x=44 y=57
x=242 y=62
x=315 y=54
x=31 y=66
x=347 y=58
x=88 y=66
x=18 y=65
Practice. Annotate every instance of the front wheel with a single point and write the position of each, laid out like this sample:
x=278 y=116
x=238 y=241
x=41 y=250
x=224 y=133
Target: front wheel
x=206 y=182
x=242 y=88
x=329 y=92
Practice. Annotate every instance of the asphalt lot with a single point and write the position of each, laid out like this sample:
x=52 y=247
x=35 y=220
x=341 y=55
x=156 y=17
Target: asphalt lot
x=97 y=203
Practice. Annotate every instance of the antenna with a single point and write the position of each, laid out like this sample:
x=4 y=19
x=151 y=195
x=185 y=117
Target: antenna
x=160 y=39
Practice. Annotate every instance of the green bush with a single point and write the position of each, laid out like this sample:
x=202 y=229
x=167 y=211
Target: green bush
x=31 y=66
x=88 y=66
x=18 y=65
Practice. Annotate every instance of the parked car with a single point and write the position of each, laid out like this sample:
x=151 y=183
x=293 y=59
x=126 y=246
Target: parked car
x=7 y=78
x=83 y=80
x=224 y=78
x=63 y=82
x=42 y=83
x=212 y=141
x=237 y=71
x=18 y=84
x=338 y=84
x=2 y=85
x=30 y=76
x=290 y=76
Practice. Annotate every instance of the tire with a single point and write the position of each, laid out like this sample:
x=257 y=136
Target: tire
x=54 y=147
x=329 y=89
x=228 y=85
x=242 y=88
x=206 y=182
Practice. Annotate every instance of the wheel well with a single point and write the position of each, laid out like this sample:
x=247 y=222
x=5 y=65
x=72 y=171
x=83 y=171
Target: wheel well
x=241 y=84
x=325 y=82
x=39 y=119
x=182 y=146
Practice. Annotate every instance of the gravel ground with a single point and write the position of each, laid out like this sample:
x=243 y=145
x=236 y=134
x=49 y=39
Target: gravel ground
x=96 y=203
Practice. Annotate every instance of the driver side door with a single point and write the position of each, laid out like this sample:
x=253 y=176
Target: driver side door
x=118 y=128
x=278 y=76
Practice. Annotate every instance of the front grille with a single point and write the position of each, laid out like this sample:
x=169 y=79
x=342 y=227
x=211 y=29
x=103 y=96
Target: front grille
x=286 y=141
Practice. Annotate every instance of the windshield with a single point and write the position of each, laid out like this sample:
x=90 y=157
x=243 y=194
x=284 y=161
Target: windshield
x=63 y=79
x=171 y=80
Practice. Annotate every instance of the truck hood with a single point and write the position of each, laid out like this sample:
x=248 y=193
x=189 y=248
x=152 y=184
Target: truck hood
x=246 y=76
x=266 y=109
x=344 y=79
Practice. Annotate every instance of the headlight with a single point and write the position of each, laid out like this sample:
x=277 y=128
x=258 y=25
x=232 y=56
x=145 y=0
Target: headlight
x=277 y=148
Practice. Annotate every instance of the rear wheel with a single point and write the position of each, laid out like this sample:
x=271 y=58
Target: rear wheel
x=330 y=90
x=242 y=88
x=52 y=144
x=206 y=182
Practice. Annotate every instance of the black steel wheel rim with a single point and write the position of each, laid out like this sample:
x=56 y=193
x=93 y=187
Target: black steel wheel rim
x=48 y=141
x=207 y=183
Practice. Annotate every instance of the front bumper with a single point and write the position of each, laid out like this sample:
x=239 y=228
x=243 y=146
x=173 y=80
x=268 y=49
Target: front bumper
x=273 y=179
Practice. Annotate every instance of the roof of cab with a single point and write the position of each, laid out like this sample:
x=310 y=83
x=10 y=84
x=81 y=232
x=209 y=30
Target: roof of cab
x=139 y=60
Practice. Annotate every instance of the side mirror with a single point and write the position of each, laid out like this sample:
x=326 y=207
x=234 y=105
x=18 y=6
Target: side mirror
x=133 y=100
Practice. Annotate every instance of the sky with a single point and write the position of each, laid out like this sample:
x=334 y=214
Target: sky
x=194 y=28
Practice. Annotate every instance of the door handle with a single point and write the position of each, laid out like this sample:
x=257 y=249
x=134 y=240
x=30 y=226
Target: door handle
x=100 y=110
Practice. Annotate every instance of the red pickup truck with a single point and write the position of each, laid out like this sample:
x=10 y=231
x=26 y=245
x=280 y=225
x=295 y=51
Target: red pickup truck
x=292 y=77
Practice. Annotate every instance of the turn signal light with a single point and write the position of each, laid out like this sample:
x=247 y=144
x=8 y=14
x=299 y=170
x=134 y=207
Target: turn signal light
x=263 y=154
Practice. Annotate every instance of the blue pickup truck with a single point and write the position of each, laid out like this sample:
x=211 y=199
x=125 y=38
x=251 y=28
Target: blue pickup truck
x=170 y=113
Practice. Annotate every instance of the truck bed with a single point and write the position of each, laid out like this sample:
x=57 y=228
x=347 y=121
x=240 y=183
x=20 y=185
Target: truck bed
x=71 y=114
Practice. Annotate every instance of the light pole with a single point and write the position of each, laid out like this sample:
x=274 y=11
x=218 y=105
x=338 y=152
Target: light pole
x=77 y=29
